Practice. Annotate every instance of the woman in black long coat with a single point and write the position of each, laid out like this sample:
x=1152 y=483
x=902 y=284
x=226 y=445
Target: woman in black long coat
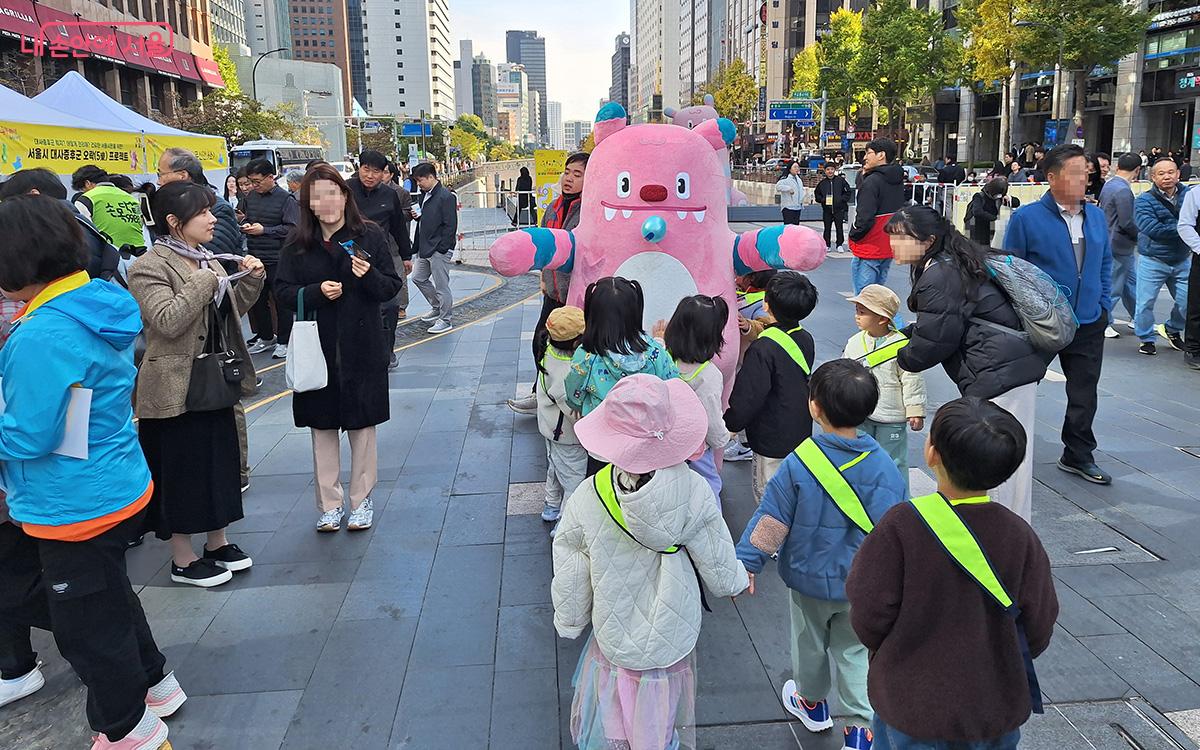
x=339 y=266
x=526 y=201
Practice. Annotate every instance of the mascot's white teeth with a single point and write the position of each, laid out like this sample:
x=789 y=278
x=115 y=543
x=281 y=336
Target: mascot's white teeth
x=627 y=213
x=681 y=214
x=699 y=216
x=609 y=213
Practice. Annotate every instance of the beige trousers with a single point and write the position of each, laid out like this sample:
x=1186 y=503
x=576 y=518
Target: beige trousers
x=762 y=469
x=327 y=466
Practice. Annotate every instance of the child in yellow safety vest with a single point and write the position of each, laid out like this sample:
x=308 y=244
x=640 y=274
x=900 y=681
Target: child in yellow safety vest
x=901 y=393
x=566 y=460
x=953 y=596
x=816 y=511
x=633 y=543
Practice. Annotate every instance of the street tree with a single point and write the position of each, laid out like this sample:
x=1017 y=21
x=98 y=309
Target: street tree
x=734 y=90
x=239 y=118
x=227 y=69
x=468 y=145
x=839 y=53
x=990 y=49
x=502 y=151
x=906 y=56
x=1091 y=33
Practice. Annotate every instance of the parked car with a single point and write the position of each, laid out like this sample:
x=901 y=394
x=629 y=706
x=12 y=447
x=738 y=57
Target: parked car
x=345 y=168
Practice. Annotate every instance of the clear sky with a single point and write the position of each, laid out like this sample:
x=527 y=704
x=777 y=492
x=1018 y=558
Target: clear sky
x=579 y=42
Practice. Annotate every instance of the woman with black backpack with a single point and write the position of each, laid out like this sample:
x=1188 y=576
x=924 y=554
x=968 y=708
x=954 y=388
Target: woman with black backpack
x=967 y=324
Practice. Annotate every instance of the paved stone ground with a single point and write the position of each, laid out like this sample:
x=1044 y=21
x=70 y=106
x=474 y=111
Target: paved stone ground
x=433 y=630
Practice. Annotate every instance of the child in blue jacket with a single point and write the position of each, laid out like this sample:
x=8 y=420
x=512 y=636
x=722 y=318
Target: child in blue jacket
x=815 y=513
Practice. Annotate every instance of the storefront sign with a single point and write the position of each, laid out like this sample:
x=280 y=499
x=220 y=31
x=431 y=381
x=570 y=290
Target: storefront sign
x=1187 y=83
x=1171 y=19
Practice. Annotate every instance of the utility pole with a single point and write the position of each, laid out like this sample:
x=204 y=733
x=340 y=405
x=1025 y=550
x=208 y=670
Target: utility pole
x=821 y=130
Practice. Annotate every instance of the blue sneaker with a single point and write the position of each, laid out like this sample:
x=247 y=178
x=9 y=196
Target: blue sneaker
x=857 y=738
x=814 y=716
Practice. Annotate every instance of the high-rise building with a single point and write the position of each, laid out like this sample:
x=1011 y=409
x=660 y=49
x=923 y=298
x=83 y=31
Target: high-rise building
x=483 y=90
x=656 y=57
x=529 y=49
x=575 y=132
x=535 y=117
x=229 y=23
x=407 y=59
x=619 y=90
x=512 y=95
x=718 y=35
x=694 y=25
x=506 y=127
x=358 y=62
x=464 y=93
x=554 y=122
x=319 y=34
x=268 y=27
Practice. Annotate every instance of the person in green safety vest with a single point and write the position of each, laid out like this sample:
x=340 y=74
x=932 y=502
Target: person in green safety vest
x=953 y=596
x=817 y=510
x=106 y=200
x=901 y=393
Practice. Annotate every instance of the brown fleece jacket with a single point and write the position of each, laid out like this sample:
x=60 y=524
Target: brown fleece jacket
x=945 y=660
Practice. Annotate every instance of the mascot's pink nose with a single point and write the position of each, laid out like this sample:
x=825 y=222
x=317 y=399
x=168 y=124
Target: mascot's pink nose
x=653 y=193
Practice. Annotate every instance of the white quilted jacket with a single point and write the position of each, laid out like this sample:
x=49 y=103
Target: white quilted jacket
x=644 y=606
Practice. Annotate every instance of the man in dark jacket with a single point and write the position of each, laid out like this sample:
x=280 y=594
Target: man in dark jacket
x=271 y=213
x=437 y=233
x=1163 y=256
x=984 y=210
x=562 y=213
x=952 y=173
x=389 y=207
x=1116 y=200
x=880 y=193
x=103 y=259
x=832 y=194
x=1068 y=239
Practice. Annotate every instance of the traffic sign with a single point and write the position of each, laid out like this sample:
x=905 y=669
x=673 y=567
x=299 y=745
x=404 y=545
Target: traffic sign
x=802 y=95
x=371 y=126
x=411 y=129
x=789 y=109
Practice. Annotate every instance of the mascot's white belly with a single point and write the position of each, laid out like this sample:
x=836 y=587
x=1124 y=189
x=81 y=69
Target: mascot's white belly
x=664 y=282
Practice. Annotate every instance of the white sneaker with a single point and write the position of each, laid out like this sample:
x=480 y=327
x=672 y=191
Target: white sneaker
x=20 y=687
x=526 y=405
x=331 y=520
x=166 y=697
x=550 y=514
x=735 y=451
x=280 y=352
x=431 y=316
x=440 y=327
x=1111 y=333
x=261 y=346
x=362 y=516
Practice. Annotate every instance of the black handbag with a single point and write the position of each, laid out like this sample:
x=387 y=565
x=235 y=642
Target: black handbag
x=217 y=372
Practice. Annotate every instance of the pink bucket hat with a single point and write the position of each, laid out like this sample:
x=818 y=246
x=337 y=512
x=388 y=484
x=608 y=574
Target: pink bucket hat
x=645 y=424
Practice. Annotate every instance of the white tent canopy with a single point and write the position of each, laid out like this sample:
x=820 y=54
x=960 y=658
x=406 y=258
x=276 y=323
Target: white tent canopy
x=15 y=107
x=73 y=92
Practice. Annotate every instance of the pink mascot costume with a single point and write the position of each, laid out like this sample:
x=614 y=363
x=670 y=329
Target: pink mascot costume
x=654 y=210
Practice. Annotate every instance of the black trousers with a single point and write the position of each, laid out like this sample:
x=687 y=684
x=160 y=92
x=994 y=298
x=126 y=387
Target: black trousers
x=264 y=323
x=1081 y=362
x=1191 y=330
x=23 y=602
x=100 y=627
x=832 y=219
x=791 y=216
x=549 y=305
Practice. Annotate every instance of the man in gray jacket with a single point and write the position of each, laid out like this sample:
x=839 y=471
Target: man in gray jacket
x=1116 y=198
x=437 y=233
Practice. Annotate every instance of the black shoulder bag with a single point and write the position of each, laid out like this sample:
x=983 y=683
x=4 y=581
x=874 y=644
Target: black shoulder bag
x=217 y=372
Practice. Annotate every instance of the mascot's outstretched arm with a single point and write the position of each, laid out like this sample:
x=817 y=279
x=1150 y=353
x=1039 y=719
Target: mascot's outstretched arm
x=788 y=246
x=533 y=249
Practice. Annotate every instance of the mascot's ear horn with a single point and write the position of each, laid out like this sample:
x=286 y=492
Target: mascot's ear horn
x=709 y=100
x=670 y=111
x=609 y=120
x=717 y=132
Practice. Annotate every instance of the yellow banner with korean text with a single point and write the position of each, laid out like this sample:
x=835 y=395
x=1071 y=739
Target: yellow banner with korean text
x=210 y=150
x=63 y=150
x=548 y=165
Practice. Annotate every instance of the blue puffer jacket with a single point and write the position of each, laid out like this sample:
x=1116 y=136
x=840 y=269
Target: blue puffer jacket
x=80 y=337
x=821 y=542
x=1158 y=226
x=1038 y=233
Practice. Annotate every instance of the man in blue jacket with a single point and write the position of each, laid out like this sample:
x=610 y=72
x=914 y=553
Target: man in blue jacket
x=1068 y=239
x=1163 y=256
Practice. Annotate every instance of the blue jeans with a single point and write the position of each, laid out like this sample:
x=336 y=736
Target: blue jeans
x=1124 y=284
x=864 y=272
x=890 y=738
x=1151 y=275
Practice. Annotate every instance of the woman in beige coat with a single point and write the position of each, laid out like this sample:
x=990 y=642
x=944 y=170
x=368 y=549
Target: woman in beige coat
x=193 y=455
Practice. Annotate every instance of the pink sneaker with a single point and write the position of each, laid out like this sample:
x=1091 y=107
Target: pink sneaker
x=166 y=697
x=149 y=734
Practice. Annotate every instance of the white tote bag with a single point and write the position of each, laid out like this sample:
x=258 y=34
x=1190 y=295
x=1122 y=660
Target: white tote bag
x=305 y=369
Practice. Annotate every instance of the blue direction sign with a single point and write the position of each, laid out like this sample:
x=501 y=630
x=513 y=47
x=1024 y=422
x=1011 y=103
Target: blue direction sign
x=790 y=109
x=413 y=129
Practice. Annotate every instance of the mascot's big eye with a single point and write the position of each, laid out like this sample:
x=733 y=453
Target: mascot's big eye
x=690 y=125
x=683 y=185
x=623 y=185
